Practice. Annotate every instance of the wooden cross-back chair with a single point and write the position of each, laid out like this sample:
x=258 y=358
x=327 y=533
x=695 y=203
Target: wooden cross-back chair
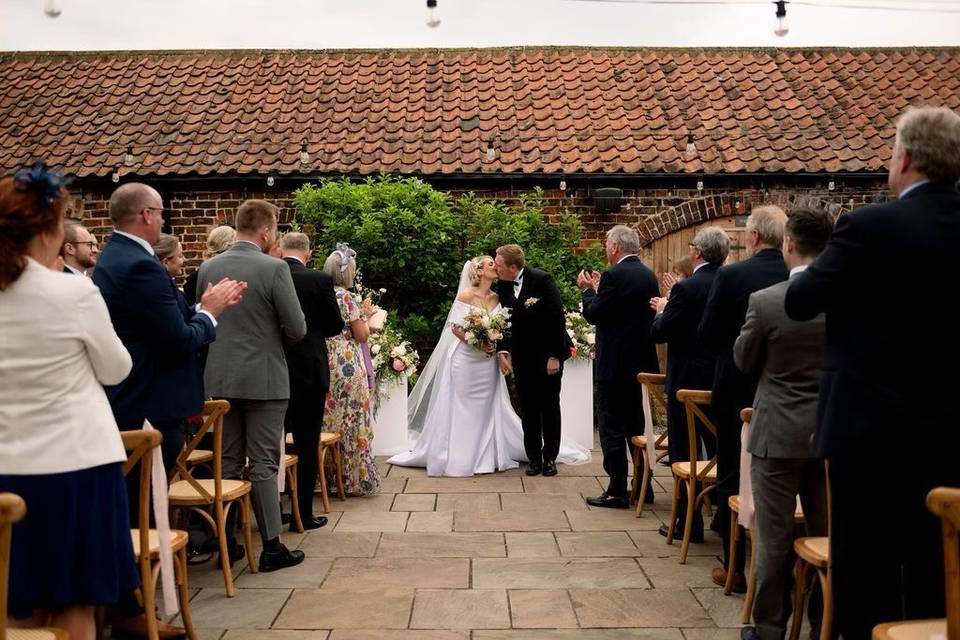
x=198 y=495
x=943 y=502
x=329 y=442
x=13 y=509
x=653 y=383
x=140 y=445
x=693 y=472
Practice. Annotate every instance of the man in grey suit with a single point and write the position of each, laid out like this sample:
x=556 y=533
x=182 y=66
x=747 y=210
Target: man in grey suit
x=788 y=356
x=246 y=366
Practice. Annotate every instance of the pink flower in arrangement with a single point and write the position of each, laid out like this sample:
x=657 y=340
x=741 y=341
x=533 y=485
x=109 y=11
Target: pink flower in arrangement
x=398 y=364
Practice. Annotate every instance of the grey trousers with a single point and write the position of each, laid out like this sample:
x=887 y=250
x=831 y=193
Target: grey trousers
x=253 y=429
x=776 y=484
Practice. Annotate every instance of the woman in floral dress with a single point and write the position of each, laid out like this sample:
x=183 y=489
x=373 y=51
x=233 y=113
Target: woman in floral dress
x=348 y=410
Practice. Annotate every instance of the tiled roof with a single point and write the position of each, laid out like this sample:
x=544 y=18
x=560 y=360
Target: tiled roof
x=437 y=112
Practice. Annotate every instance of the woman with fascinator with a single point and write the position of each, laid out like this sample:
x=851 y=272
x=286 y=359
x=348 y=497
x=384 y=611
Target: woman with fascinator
x=460 y=415
x=348 y=410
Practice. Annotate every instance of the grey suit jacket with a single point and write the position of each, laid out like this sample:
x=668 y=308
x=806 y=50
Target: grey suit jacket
x=788 y=355
x=246 y=361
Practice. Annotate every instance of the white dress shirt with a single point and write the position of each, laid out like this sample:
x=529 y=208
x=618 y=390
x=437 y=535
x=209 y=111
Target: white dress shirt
x=518 y=284
x=57 y=347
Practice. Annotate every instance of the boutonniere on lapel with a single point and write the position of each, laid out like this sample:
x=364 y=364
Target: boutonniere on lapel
x=529 y=302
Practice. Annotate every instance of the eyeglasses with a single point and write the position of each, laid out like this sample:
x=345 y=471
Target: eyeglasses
x=92 y=243
x=160 y=209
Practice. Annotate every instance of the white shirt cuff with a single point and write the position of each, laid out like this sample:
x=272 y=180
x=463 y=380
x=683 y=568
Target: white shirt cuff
x=206 y=313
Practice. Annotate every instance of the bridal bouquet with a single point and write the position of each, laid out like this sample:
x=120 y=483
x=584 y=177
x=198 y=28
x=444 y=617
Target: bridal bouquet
x=393 y=357
x=583 y=335
x=482 y=328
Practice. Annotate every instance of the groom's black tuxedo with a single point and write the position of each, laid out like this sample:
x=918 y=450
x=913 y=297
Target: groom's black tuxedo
x=537 y=333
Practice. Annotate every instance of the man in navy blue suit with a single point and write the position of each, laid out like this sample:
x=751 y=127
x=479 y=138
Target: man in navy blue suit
x=162 y=334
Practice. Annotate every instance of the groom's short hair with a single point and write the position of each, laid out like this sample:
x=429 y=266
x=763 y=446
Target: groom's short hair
x=512 y=255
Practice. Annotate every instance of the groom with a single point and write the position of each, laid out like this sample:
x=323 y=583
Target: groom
x=535 y=350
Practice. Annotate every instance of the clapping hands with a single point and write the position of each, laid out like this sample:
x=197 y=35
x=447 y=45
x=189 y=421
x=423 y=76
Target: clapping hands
x=588 y=280
x=658 y=304
x=222 y=295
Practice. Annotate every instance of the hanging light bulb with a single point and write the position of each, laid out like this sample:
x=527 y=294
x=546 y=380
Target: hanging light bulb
x=433 y=18
x=115 y=176
x=128 y=157
x=699 y=185
x=563 y=184
x=270 y=181
x=691 y=147
x=304 y=154
x=491 y=152
x=781 y=29
x=52 y=8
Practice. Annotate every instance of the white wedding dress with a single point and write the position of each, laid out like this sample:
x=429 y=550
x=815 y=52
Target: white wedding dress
x=460 y=417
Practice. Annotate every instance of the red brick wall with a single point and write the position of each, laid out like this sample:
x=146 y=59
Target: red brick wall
x=655 y=211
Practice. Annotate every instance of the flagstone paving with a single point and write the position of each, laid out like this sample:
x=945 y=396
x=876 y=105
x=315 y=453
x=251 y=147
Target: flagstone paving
x=497 y=557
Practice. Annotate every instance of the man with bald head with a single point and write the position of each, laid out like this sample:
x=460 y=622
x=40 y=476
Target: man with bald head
x=80 y=248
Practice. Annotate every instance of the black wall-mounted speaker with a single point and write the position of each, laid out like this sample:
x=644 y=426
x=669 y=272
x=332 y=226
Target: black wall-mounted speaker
x=607 y=200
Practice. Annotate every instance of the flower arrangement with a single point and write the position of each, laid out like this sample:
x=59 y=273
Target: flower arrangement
x=583 y=335
x=393 y=357
x=482 y=328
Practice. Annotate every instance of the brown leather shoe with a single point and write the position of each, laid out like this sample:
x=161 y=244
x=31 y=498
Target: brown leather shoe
x=136 y=627
x=719 y=576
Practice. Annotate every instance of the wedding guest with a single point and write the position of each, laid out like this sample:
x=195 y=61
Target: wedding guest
x=246 y=366
x=218 y=240
x=59 y=445
x=80 y=248
x=689 y=364
x=682 y=268
x=348 y=410
x=617 y=303
x=890 y=378
x=723 y=317
x=170 y=253
x=788 y=356
x=308 y=365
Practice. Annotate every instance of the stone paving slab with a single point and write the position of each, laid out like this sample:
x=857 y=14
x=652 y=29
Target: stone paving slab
x=542 y=501
x=377 y=502
x=524 y=544
x=249 y=609
x=652 y=545
x=309 y=574
x=415 y=502
x=580 y=634
x=611 y=520
x=514 y=520
x=393 y=484
x=476 y=484
x=570 y=485
x=477 y=502
x=347 y=607
x=711 y=634
x=638 y=608
x=372 y=521
x=430 y=521
x=541 y=609
x=460 y=609
x=396 y=634
x=341 y=544
x=547 y=573
x=442 y=545
x=275 y=634
x=426 y=573
x=668 y=573
x=596 y=544
x=723 y=610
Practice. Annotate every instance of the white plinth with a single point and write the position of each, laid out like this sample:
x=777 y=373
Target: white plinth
x=390 y=421
x=576 y=401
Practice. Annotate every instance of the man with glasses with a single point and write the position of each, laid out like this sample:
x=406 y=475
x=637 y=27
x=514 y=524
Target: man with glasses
x=79 y=250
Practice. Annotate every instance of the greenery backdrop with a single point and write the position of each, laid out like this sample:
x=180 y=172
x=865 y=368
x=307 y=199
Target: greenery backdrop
x=412 y=240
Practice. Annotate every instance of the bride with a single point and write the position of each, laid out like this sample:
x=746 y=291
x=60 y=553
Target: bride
x=459 y=411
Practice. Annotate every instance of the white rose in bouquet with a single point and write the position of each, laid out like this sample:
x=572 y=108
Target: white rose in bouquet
x=572 y=335
x=591 y=338
x=401 y=350
x=470 y=337
x=493 y=334
x=375 y=349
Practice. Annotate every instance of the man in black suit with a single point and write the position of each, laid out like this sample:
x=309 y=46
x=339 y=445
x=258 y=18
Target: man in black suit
x=890 y=378
x=689 y=365
x=617 y=303
x=308 y=366
x=723 y=318
x=80 y=248
x=535 y=350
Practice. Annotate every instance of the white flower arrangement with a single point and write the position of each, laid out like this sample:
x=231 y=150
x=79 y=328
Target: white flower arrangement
x=583 y=334
x=482 y=329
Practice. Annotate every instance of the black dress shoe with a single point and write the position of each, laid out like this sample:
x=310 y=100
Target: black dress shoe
x=236 y=553
x=696 y=535
x=533 y=469
x=648 y=499
x=314 y=523
x=549 y=468
x=280 y=559
x=749 y=633
x=285 y=518
x=609 y=501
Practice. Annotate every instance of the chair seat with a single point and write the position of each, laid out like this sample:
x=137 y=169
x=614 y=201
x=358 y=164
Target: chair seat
x=734 y=502
x=641 y=441
x=37 y=634
x=326 y=438
x=199 y=456
x=813 y=550
x=290 y=459
x=178 y=540
x=182 y=492
x=911 y=630
x=682 y=469
x=289 y=439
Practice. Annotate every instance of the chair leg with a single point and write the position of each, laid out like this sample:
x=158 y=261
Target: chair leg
x=221 y=515
x=707 y=505
x=826 y=626
x=732 y=554
x=294 y=498
x=180 y=566
x=644 y=479
x=245 y=510
x=688 y=525
x=751 y=582
x=338 y=465
x=673 y=510
x=799 y=586
x=324 y=494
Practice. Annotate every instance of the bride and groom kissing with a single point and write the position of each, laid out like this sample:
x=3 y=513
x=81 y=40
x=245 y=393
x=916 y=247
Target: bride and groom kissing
x=460 y=416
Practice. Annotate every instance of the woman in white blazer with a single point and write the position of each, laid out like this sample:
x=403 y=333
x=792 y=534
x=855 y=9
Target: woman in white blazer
x=60 y=449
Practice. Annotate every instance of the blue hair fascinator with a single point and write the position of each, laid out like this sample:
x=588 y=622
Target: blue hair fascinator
x=345 y=253
x=43 y=182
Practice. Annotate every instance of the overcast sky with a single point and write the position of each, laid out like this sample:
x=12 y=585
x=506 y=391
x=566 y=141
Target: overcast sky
x=325 y=24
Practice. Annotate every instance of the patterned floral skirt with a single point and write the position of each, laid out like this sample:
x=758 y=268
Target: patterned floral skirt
x=348 y=412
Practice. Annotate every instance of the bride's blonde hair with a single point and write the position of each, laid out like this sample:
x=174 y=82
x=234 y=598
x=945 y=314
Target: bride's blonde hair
x=476 y=271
